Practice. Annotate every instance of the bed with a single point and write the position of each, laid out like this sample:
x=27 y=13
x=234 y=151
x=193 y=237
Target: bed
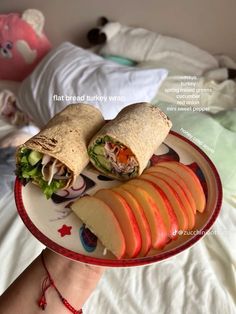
x=199 y=280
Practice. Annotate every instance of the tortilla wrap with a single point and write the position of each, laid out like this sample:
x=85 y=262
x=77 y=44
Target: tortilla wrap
x=138 y=130
x=66 y=137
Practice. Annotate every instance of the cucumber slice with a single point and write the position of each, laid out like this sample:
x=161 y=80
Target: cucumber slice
x=99 y=150
x=104 y=162
x=34 y=157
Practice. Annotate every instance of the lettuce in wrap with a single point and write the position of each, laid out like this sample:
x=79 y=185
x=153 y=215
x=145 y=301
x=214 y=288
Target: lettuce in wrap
x=55 y=156
x=49 y=174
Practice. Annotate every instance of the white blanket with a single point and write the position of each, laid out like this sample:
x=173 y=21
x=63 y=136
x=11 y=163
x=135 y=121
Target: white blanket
x=142 y=45
x=180 y=58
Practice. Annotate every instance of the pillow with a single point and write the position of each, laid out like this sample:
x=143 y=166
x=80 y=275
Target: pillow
x=69 y=74
x=22 y=44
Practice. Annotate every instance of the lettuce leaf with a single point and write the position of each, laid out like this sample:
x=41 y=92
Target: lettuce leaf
x=49 y=189
x=26 y=173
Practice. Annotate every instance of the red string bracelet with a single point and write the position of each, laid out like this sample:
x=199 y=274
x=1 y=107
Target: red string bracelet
x=47 y=283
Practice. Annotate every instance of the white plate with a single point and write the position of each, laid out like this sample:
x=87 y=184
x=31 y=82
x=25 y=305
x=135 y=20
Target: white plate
x=55 y=225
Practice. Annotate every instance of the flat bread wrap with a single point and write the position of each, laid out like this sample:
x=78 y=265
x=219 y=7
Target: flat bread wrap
x=55 y=156
x=123 y=147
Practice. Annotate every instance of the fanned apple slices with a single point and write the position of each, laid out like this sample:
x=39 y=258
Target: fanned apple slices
x=158 y=231
x=125 y=218
x=145 y=232
x=146 y=212
x=191 y=181
x=100 y=219
x=161 y=205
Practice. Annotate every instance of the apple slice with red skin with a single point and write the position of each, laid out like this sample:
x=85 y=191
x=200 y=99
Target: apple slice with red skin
x=191 y=180
x=141 y=219
x=176 y=177
x=167 y=214
x=158 y=230
x=173 y=198
x=182 y=197
x=100 y=219
x=126 y=219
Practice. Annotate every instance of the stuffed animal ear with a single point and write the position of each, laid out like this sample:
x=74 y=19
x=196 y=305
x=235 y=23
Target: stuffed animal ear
x=232 y=74
x=96 y=37
x=102 y=21
x=36 y=20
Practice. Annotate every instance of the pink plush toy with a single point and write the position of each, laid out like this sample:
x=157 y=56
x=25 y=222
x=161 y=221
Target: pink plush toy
x=22 y=44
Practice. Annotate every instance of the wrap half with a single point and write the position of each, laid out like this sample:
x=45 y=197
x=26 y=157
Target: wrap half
x=123 y=147
x=55 y=156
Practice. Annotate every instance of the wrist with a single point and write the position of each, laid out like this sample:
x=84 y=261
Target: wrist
x=75 y=280
x=62 y=266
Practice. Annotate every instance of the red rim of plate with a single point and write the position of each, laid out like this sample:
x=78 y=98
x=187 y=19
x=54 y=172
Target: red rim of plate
x=123 y=262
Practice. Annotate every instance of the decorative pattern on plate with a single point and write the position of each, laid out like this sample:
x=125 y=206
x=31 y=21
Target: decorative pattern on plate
x=81 y=185
x=171 y=155
x=104 y=178
x=87 y=238
x=197 y=170
x=65 y=230
x=62 y=213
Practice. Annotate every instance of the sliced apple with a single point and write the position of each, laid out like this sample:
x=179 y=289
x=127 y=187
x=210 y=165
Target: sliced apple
x=173 y=198
x=140 y=218
x=126 y=219
x=158 y=230
x=191 y=180
x=162 y=204
x=100 y=219
x=182 y=197
x=158 y=168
